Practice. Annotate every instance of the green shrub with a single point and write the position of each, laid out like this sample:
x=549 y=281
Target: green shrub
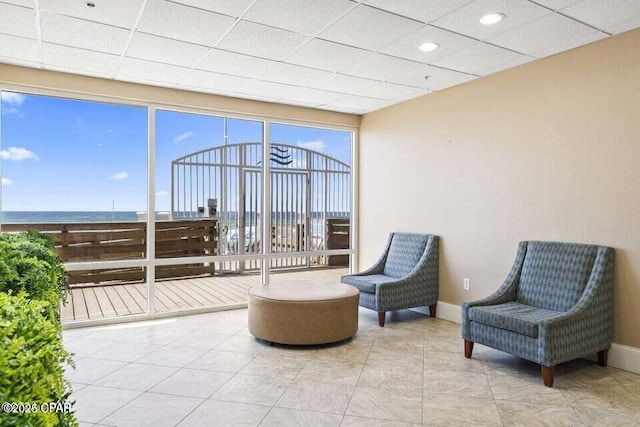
x=29 y=263
x=31 y=361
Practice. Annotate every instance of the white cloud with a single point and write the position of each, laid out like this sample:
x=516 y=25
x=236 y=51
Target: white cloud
x=184 y=136
x=162 y=193
x=6 y=181
x=318 y=146
x=119 y=176
x=18 y=154
x=13 y=98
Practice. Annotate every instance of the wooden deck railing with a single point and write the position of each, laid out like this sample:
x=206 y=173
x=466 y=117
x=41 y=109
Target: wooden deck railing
x=338 y=237
x=81 y=242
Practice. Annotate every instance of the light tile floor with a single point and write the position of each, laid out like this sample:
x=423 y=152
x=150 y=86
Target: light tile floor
x=207 y=370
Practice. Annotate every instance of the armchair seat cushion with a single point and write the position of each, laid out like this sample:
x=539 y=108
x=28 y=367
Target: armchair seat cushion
x=367 y=284
x=512 y=316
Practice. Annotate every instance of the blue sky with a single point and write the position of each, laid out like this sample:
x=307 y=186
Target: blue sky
x=65 y=155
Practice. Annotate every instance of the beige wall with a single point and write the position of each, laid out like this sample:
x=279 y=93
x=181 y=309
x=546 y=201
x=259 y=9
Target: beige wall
x=74 y=84
x=549 y=150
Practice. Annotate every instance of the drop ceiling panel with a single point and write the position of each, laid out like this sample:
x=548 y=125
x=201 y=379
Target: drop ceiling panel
x=360 y=103
x=169 y=51
x=477 y=57
x=505 y=65
x=150 y=72
x=605 y=13
x=227 y=7
x=391 y=91
x=85 y=61
x=83 y=34
x=17 y=21
x=342 y=83
x=557 y=4
x=326 y=55
x=176 y=21
x=421 y=10
x=438 y=78
x=544 y=33
x=301 y=16
x=465 y=19
x=380 y=67
x=307 y=95
x=292 y=74
x=369 y=28
x=18 y=48
x=261 y=40
x=592 y=37
x=120 y=13
x=24 y=3
x=449 y=42
x=618 y=29
x=221 y=61
x=262 y=88
x=213 y=81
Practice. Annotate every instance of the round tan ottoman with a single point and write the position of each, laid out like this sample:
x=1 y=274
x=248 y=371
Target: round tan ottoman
x=303 y=313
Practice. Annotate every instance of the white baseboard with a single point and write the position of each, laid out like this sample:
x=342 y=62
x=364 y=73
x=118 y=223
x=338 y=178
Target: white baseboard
x=621 y=356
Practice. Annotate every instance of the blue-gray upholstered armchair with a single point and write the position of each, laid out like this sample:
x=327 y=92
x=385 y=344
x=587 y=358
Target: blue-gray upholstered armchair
x=405 y=276
x=555 y=305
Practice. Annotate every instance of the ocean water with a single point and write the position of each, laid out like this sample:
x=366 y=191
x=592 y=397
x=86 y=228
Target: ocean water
x=21 y=217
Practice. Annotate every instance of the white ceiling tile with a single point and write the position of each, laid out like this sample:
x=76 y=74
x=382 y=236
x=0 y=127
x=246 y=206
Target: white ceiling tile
x=228 y=7
x=168 y=51
x=422 y=10
x=261 y=40
x=263 y=89
x=369 y=28
x=505 y=65
x=544 y=33
x=185 y=23
x=302 y=16
x=213 y=81
x=255 y=97
x=359 y=103
x=557 y=4
x=19 y=62
x=342 y=83
x=297 y=103
x=380 y=67
x=393 y=91
x=619 y=29
x=121 y=13
x=83 y=34
x=329 y=107
x=326 y=55
x=590 y=38
x=77 y=72
x=151 y=72
x=292 y=74
x=449 y=42
x=303 y=94
x=477 y=57
x=439 y=78
x=72 y=59
x=17 y=21
x=23 y=3
x=221 y=61
x=605 y=13
x=18 y=48
x=465 y=19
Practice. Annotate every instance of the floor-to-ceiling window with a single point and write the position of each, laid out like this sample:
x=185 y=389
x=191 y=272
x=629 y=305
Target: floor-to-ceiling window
x=156 y=210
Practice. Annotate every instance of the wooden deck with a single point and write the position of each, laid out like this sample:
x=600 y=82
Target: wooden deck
x=99 y=302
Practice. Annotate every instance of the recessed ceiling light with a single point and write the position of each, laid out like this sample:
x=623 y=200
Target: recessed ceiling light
x=491 y=18
x=428 y=46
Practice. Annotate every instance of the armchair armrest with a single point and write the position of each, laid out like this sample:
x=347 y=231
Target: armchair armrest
x=505 y=293
x=378 y=267
x=587 y=326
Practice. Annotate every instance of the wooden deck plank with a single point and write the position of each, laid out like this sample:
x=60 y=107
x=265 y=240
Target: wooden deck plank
x=105 y=303
x=96 y=302
x=66 y=309
x=92 y=303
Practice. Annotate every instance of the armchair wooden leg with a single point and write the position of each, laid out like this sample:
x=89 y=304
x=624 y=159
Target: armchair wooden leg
x=381 y=317
x=547 y=375
x=432 y=310
x=602 y=357
x=468 y=349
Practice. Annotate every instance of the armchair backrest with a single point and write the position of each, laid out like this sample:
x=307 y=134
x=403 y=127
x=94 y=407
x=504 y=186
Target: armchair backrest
x=554 y=275
x=405 y=250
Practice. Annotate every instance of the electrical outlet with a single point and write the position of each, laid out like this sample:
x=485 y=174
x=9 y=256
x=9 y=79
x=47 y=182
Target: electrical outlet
x=467 y=284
